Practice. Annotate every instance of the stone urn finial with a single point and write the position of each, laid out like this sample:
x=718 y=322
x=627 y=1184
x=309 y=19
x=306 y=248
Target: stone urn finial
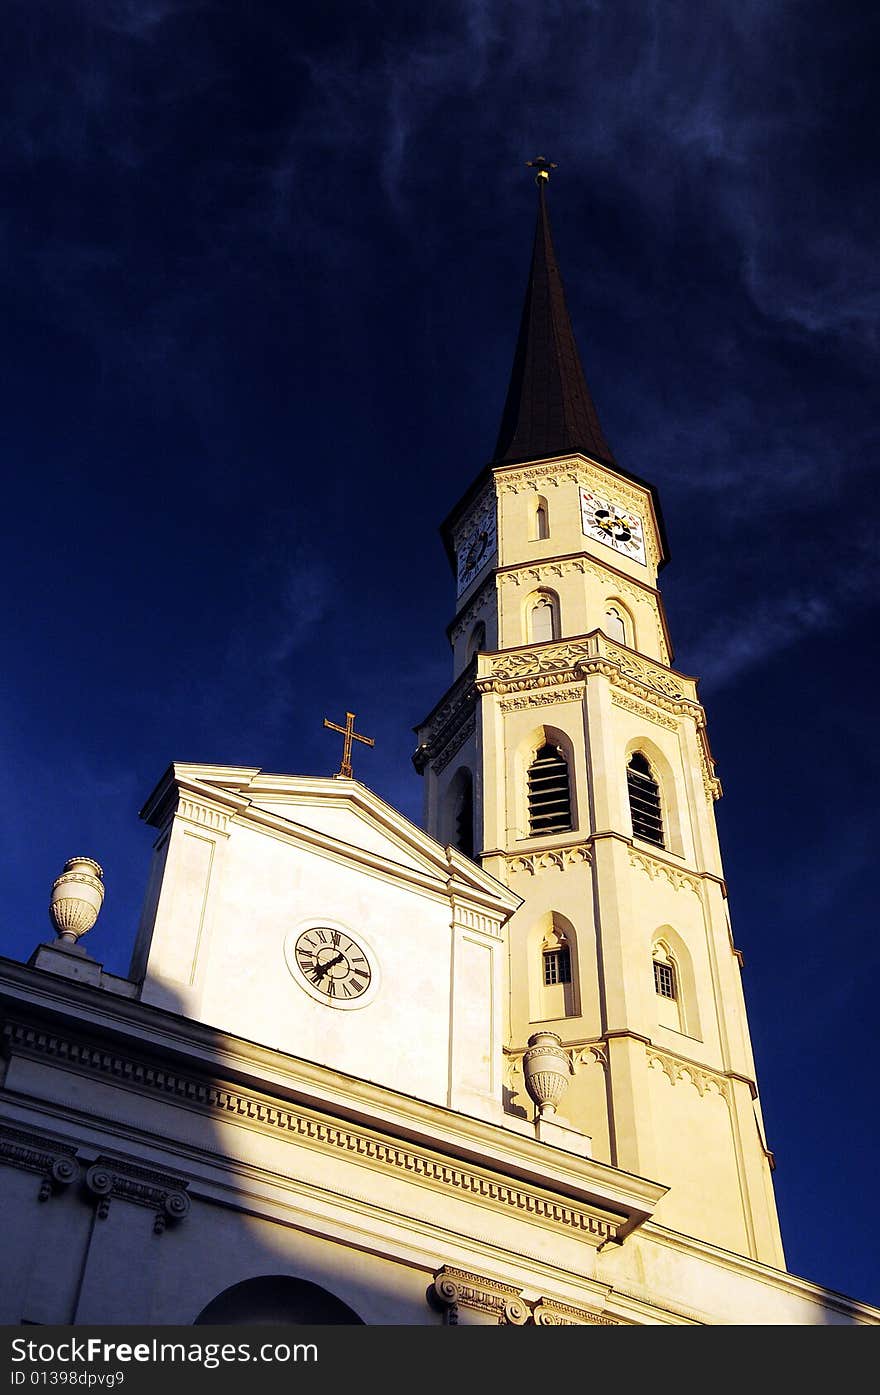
x=546 y=1069
x=77 y=896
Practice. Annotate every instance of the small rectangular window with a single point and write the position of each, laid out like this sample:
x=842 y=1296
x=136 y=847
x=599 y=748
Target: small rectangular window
x=664 y=980
x=557 y=966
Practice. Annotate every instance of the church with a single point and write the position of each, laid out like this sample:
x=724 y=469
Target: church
x=494 y=1071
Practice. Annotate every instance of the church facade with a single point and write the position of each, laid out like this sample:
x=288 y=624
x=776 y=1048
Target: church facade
x=493 y=1072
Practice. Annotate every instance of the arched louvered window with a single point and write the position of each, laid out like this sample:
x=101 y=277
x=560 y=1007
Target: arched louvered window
x=549 y=793
x=644 y=800
x=460 y=815
x=464 y=820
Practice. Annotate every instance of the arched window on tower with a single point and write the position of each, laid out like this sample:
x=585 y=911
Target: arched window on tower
x=476 y=640
x=541 y=518
x=558 y=991
x=613 y=624
x=549 y=793
x=544 y=618
x=644 y=800
x=667 y=987
x=460 y=817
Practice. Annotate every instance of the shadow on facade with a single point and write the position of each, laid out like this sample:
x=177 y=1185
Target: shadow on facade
x=151 y=1208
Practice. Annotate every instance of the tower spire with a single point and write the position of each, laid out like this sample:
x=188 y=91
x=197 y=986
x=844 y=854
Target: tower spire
x=549 y=410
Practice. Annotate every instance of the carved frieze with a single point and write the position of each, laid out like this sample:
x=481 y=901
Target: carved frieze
x=556 y=859
x=544 y=698
x=503 y=672
x=641 y=709
x=535 y=476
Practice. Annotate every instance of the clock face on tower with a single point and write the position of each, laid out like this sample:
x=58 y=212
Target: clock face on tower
x=607 y=523
x=476 y=548
x=331 y=965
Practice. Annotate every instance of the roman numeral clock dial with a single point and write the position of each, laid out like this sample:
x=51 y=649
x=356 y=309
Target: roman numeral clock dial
x=332 y=966
x=616 y=527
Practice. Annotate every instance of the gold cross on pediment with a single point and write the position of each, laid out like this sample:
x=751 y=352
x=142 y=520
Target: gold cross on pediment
x=348 y=734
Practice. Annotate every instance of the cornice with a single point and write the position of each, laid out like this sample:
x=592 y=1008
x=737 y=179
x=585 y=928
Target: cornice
x=733 y=1263
x=560 y=661
x=643 y=711
x=266 y=1114
x=103 y=1033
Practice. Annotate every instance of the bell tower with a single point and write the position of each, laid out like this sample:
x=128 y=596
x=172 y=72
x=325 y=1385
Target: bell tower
x=570 y=758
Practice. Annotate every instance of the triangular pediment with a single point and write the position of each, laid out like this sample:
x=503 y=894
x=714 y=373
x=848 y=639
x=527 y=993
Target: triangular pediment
x=341 y=815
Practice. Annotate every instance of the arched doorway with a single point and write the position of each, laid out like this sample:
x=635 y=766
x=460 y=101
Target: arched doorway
x=277 y=1298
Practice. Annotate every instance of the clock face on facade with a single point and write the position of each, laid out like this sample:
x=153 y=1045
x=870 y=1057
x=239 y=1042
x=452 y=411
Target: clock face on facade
x=476 y=548
x=608 y=523
x=331 y=965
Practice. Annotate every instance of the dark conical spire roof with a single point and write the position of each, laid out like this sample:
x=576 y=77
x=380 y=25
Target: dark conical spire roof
x=549 y=410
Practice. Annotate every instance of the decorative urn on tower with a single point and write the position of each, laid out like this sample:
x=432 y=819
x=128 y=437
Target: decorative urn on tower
x=546 y=1070
x=77 y=897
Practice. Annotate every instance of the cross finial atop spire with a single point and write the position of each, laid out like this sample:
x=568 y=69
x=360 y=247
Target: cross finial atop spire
x=543 y=166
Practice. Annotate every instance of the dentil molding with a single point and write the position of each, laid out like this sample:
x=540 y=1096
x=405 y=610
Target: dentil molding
x=239 y=1106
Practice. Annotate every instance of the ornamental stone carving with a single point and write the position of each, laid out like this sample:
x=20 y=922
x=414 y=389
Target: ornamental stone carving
x=549 y=1313
x=166 y=1195
x=456 y=1289
x=458 y=1292
x=55 y=1161
x=77 y=897
x=556 y=859
x=641 y=709
x=544 y=698
x=675 y=1068
x=656 y=867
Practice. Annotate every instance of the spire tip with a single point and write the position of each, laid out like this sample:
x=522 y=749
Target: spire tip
x=543 y=166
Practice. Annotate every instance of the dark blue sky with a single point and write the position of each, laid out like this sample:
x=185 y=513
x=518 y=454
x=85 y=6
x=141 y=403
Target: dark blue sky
x=261 y=278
